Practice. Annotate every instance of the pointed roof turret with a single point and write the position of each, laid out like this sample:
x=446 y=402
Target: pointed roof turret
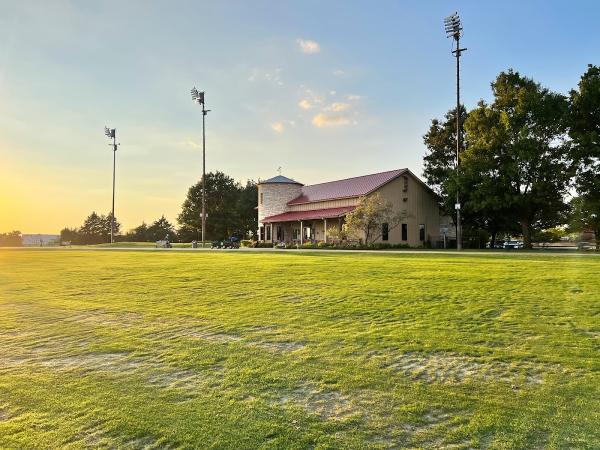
x=281 y=180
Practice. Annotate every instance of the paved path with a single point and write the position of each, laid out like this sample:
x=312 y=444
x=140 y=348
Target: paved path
x=535 y=252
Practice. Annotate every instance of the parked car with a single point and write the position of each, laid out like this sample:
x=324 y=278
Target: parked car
x=513 y=244
x=585 y=246
x=497 y=244
x=232 y=242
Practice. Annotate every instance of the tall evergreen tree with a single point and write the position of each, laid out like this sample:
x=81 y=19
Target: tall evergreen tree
x=160 y=229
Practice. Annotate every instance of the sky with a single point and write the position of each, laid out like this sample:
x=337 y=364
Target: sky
x=324 y=90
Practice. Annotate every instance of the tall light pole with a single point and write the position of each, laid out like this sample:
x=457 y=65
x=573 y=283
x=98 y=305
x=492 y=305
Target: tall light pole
x=198 y=97
x=454 y=30
x=111 y=133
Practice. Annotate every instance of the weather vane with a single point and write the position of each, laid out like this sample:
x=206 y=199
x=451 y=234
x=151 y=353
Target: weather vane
x=279 y=170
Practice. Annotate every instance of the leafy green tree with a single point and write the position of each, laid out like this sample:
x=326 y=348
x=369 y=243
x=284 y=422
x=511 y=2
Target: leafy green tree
x=160 y=229
x=71 y=235
x=440 y=159
x=584 y=131
x=246 y=210
x=440 y=173
x=585 y=216
x=221 y=207
x=11 y=239
x=516 y=153
x=367 y=219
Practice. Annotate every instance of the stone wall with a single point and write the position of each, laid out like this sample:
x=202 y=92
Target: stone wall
x=275 y=197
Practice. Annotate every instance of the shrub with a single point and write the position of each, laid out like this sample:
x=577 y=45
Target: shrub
x=325 y=245
x=246 y=243
x=264 y=245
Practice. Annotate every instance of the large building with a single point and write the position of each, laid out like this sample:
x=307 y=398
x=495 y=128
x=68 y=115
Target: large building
x=291 y=212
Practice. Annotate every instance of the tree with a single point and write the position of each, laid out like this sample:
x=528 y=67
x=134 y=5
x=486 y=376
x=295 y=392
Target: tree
x=160 y=229
x=584 y=131
x=440 y=160
x=246 y=210
x=441 y=175
x=367 y=219
x=138 y=234
x=11 y=239
x=517 y=155
x=585 y=216
x=70 y=235
x=96 y=229
x=221 y=207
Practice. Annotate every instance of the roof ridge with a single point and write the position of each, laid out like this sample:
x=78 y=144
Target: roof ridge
x=359 y=176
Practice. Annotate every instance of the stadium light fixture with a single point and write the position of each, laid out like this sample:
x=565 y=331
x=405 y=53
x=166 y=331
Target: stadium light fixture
x=454 y=30
x=198 y=97
x=111 y=133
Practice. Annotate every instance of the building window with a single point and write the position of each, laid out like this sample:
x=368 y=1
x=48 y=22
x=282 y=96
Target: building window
x=279 y=233
x=405 y=232
x=261 y=233
x=261 y=198
x=385 y=230
x=269 y=232
x=422 y=232
x=296 y=234
x=307 y=232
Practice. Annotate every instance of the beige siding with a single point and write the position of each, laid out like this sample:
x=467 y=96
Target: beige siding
x=326 y=204
x=419 y=205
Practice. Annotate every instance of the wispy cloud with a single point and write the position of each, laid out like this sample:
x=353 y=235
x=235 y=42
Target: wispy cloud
x=330 y=120
x=278 y=127
x=353 y=98
x=305 y=104
x=189 y=144
x=308 y=46
x=339 y=73
x=338 y=106
x=273 y=76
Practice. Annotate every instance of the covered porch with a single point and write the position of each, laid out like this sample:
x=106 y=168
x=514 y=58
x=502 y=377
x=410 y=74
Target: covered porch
x=298 y=227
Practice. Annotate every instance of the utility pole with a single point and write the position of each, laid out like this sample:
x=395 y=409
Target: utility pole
x=112 y=133
x=198 y=97
x=454 y=30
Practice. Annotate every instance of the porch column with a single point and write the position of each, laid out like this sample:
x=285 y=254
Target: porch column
x=325 y=230
x=301 y=233
x=272 y=237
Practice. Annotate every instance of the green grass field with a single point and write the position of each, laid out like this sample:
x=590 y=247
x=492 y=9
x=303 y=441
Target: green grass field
x=128 y=349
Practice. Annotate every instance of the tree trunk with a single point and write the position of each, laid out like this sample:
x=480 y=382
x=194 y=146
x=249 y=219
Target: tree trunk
x=526 y=227
x=493 y=243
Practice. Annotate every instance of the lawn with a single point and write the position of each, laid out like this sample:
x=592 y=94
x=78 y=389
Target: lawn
x=241 y=350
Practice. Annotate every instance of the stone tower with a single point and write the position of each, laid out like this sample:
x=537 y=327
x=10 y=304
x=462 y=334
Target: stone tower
x=274 y=194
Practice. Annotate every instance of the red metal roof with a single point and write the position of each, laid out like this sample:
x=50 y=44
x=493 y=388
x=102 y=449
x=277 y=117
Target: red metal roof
x=349 y=187
x=326 y=213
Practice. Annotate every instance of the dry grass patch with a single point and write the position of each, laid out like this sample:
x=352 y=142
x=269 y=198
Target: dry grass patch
x=451 y=368
x=326 y=404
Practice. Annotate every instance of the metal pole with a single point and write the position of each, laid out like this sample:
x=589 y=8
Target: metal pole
x=203 y=173
x=458 y=224
x=112 y=219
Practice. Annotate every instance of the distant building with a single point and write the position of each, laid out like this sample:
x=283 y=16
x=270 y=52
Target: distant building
x=291 y=212
x=40 y=240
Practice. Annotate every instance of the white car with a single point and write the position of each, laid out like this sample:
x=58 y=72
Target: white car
x=513 y=244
